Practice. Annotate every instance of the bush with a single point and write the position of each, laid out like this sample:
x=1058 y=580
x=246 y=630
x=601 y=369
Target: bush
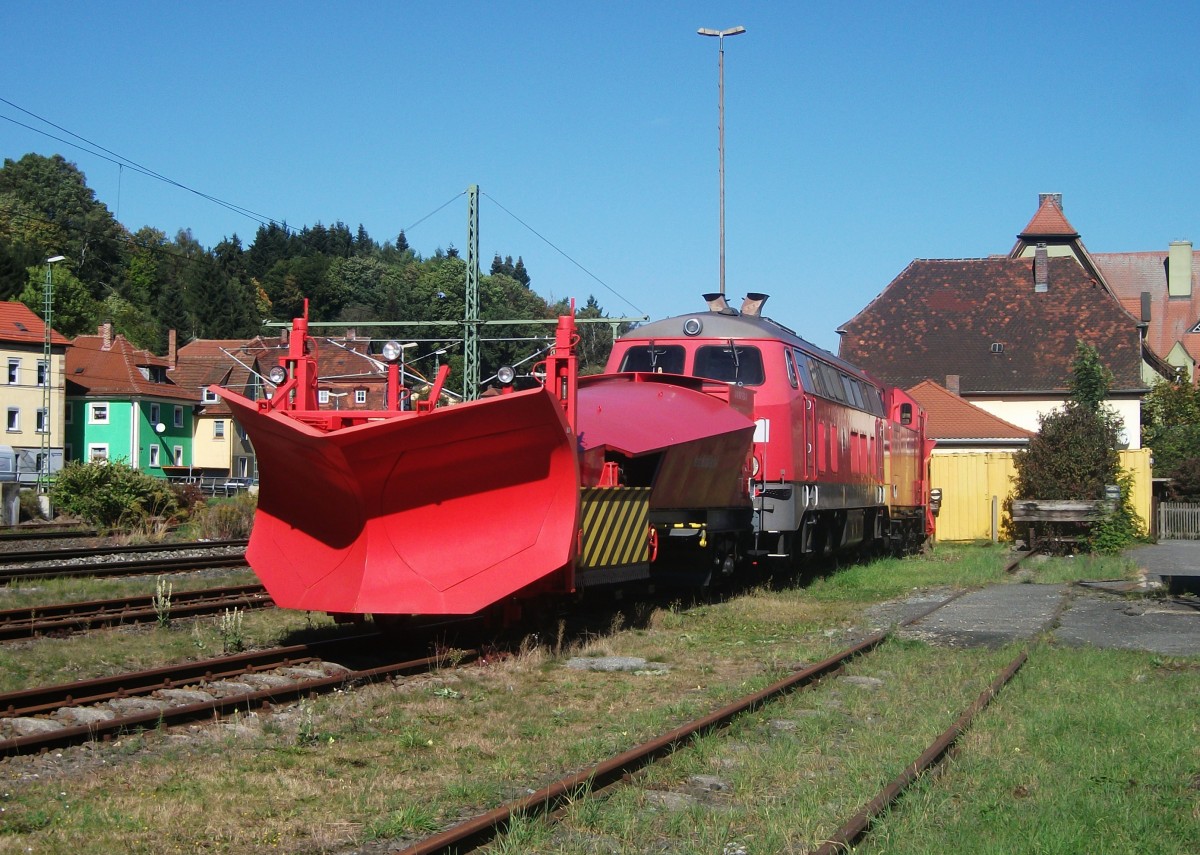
x=226 y=519
x=31 y=508
x=111 y=494
x=1120 y=528
x=1185 y=481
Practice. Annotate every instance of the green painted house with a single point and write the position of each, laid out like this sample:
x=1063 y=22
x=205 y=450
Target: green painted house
x=122 y=406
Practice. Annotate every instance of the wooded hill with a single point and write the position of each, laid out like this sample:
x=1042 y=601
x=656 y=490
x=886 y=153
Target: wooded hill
x=146 y=283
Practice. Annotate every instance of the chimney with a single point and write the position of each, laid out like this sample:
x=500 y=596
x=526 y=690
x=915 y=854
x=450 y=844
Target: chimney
x=351 y=334
x=1145 y=307
x=105 y=332
x=172 y=353
x=752 y=305
x=1041 y=270
x=952 y=383
x=1179 y=269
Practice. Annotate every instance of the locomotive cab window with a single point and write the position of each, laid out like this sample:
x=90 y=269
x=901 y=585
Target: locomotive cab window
x=729 y=363
x=906 y=414
x=654 y=358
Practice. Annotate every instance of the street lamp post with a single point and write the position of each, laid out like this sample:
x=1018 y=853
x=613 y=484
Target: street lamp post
x=43 y=480
x=720 y=36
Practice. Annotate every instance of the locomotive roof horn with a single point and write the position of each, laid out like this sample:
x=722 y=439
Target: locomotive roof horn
x=753 y=303
x=716 y=303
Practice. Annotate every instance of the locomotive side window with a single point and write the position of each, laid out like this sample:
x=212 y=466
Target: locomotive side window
x=906 y=414
x=806 y=380
x=729 y=363
x=791 y=368
x=654 y=358
x=853 y=393
x=873 y=399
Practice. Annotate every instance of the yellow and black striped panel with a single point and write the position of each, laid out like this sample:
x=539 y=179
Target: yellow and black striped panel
x=616 y=523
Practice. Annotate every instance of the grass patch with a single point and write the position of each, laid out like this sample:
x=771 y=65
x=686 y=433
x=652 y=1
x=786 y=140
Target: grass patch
x=394 y=761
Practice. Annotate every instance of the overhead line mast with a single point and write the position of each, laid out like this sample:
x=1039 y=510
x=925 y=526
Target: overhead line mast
x=471 y=300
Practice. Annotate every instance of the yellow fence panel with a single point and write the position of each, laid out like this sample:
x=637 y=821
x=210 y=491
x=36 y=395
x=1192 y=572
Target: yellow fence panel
x=970 y=481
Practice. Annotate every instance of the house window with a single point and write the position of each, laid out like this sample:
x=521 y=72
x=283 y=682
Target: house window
x=68 y=452
x=14 y=371
x=69 y=414
x=154 y=456
x=243 y=467
x=99 y=451
x=219 y=429
x=98 y=414
x=210 y=397
x=43 y=425
x=177 y=455
x=360 y=396
x=43 y=372
x=14 y=419
x=155 y=414
x=179 y=417
x=997 y=347
x=322 y=396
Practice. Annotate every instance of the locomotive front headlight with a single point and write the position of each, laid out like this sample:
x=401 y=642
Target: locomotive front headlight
x=692 y=326
x=277 y=375
x=506 y=374
x=392 y=350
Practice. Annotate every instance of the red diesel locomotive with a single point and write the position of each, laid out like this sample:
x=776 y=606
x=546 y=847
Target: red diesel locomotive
x=713 y=441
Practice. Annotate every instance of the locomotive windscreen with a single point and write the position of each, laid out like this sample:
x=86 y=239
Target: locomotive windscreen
x=730 y=363
x=655 y=358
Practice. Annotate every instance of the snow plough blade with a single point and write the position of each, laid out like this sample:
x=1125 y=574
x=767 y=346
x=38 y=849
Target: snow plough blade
x=440 y=512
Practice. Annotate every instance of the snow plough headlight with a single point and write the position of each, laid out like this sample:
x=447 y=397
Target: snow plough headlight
x=506 y=374
x=392 y=350
x=277 y=375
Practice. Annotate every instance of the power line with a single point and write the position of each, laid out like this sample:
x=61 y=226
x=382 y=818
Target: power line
x=121 y=160
x=545 y=240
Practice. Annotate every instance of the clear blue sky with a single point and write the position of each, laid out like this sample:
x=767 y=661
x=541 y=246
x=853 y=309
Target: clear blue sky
x=858 y=135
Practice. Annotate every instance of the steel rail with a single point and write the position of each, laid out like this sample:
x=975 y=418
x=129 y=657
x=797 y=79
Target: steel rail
x=263 y=698
x=856 y=826
x=111 y=549
x=481 y=829
x=124 y=568
x=52 y=531
x=43 y=699
x=32 y=621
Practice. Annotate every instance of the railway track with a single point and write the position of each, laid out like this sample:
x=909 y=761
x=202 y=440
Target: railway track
x=53 y=531
x=552 y=800
x=156 y=565
x=63 y=618
x=39 y=555
x=38 y=719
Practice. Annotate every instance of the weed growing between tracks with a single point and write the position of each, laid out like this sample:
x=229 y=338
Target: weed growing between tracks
x=1087 y=751
x=396 y=761
x=105 y=652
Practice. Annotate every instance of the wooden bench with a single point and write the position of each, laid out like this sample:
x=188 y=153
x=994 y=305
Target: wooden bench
x=1077 y=512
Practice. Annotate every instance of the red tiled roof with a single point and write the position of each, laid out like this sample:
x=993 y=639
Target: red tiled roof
x=1049 y=221
x=18 y=323
x=1171 y=318
x=950 y=417
x=92 y=370
x=942 y=317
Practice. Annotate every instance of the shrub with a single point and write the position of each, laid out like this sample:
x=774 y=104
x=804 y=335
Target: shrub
x=189 y=496
x=111 y=494
x=1185 y=481
x=226 y=519
x=31 y=508
x=1120 y=528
